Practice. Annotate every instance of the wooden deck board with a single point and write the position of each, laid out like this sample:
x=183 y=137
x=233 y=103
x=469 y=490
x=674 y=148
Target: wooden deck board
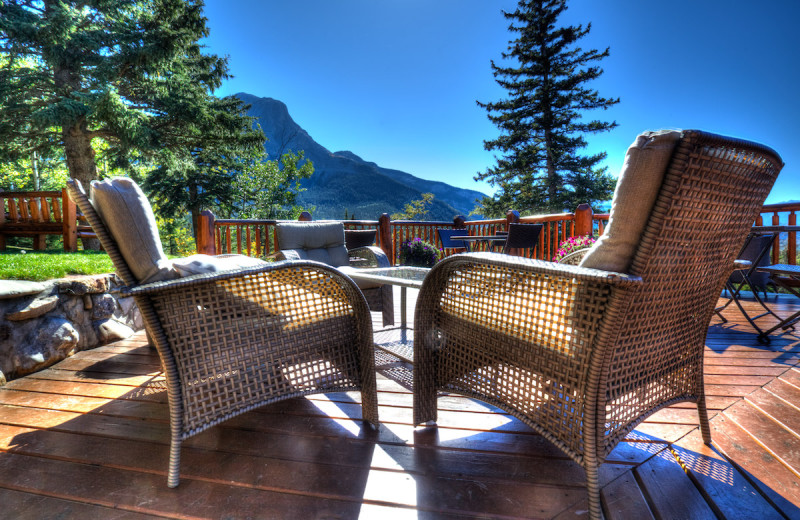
x=89 y=438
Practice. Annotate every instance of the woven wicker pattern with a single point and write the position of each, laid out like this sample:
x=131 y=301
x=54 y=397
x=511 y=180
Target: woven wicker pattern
x=231 y=342
x=583 y=355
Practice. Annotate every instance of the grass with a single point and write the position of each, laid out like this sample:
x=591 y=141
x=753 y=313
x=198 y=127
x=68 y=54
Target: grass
x=38 y=266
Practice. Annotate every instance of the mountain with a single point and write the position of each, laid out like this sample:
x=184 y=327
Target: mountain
x=343 y=181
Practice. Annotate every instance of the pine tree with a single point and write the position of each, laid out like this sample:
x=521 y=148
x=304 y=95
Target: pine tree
x=541 y=122
x=129 y=73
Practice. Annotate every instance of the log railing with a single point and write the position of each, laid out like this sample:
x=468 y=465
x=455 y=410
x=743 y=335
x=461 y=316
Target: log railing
x=257 y=237
x=784 y=250
x=37 y=214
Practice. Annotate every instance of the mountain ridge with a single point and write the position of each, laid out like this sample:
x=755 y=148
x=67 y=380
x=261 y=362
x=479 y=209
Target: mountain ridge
x=345 y=182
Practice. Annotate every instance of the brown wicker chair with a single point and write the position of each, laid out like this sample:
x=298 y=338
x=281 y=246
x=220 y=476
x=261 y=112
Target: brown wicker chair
x=583 y=355
x=233 y=341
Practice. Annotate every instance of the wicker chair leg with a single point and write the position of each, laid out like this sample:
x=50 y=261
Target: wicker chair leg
x=705 y=428
x=593 y=487
x=173 y=473
x=387 y=305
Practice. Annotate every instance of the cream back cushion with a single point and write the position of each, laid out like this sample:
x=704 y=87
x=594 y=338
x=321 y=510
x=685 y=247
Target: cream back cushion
x=320 y=241
x=639 y=181
x=129 y=218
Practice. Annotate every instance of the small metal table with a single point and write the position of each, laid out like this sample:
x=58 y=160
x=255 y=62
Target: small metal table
x=490 y=240
x=398 y=341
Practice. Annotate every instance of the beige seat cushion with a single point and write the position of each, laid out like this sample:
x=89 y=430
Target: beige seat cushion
x=639 y=181
x=129 y=218
x=320 y=241
x=204 y=264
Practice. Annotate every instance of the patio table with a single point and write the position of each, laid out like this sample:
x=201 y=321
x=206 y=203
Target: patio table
x=397 y=341
x=490 y=240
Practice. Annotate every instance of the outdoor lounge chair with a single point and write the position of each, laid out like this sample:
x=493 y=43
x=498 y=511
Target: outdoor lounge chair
x=325 y=242
x=522 y=236
x=233 y=338
x=582 y=354
x=445 y=237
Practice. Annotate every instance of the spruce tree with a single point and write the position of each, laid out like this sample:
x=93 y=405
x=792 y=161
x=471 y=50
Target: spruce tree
x=541 y=122
x=129 y=73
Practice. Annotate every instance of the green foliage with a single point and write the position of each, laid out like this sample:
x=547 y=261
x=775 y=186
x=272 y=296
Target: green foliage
x=416 y=209
x=417 y=252
x=176 y=236
x=38 y=266
x=267 y=189
x=127 y=77
x=540 y=167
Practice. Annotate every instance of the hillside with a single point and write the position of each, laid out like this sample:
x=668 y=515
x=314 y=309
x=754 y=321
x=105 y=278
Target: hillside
x=343 y=181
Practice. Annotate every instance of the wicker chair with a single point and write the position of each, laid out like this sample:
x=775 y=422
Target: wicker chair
x=583 y=355
x=325 y=242
x=233 y=341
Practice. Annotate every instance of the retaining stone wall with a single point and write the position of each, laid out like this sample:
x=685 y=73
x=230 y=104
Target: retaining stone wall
x=43 y=323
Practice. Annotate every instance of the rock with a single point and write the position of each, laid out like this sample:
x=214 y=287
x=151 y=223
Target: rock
x=38 y=307
x=109 y=330
x=17 y=288
x=2 y=379
x=103 y=306
x=49 y=343
x=81 y=285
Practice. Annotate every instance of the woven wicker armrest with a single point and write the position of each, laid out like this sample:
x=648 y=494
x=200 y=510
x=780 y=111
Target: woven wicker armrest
x=373 y=256
x=551 y=268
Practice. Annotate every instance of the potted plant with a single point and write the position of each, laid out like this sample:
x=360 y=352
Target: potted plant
x=416 y=252
x=568 y=250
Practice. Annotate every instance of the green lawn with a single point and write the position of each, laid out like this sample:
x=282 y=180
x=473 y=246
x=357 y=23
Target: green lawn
x=38 y=266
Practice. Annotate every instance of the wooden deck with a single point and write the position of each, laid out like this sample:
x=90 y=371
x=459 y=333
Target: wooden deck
x=88 y=438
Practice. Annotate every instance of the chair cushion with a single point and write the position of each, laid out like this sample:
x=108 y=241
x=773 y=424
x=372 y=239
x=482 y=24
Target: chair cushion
x=204 y=264
x=320 y=241
x=638 y=185
x=129 y=218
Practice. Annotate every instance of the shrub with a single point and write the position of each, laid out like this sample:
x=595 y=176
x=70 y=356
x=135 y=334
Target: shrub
x=573 y=244
x=417 y=252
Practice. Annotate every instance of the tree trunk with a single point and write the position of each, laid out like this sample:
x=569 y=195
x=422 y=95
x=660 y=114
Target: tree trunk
x=79 y=153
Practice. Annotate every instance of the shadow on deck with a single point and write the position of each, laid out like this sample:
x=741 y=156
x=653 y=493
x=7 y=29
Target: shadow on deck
x=88 y=438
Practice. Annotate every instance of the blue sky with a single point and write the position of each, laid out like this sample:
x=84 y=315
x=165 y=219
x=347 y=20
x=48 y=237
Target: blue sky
x=396 y=81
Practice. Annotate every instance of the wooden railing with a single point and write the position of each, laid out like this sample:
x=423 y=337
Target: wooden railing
x=37 y=214
x=784 y=250
x=257 y=237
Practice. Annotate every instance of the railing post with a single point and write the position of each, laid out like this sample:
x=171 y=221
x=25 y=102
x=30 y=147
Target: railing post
x=385 y=236
x=69 y=222
x=2 y=221
x=583 y=220
x=205 y=240
x=776 y=244
x=305 y=217
x=791 y=254
x=512 y=217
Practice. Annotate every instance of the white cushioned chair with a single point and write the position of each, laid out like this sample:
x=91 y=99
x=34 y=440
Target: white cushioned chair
x=325 y=242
